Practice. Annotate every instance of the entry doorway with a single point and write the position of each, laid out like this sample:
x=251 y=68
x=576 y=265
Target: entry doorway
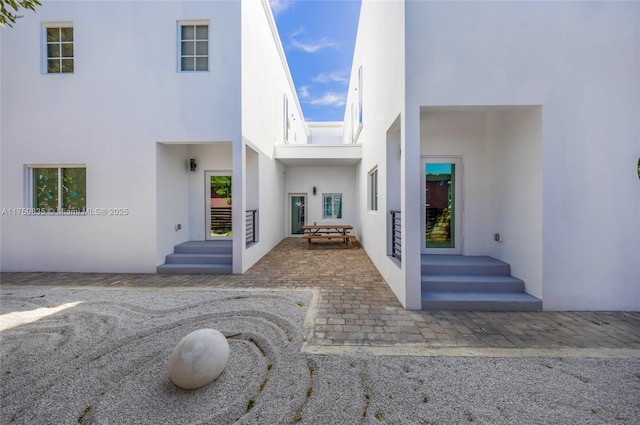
x=442 y=205
x=297 y=213
x=218 y=213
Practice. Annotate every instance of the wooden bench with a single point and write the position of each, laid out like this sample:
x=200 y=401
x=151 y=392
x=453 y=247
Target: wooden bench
x=328 y=232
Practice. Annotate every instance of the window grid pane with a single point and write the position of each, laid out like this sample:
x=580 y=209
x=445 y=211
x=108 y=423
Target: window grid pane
x=194 y=48
x=188 y=64
x=187 y=48
x=53 y=35
x=202 y=63
x=67 y=50
x=188 y=32
x=74 y=192
x=66 y=34
x=45 y=189
x=53 y=50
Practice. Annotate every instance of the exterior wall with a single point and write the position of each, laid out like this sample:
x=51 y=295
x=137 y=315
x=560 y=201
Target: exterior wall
x=514 y=138
x=302 y=180
x=580 y=62
x=380 y=51
x=172 y=198
x=265 y=82
x=124 y=97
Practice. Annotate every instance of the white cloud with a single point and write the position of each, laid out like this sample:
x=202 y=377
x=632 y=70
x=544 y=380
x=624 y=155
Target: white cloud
x=303 y=92
x=325 y=77
x=278 y=6
x=330 y=99
x=311 y=47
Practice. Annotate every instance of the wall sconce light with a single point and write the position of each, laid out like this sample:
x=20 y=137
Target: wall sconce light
x=192 y=164
x=314 y=190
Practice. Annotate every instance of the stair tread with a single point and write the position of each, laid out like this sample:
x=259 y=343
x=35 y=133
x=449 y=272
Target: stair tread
x=472 y=296
x=462 y=260
x=190 y=265
x=207 y=243
x=200 y=254
x=468 y=278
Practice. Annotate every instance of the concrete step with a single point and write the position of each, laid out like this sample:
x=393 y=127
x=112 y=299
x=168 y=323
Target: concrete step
x=215 y=258
x=204 y=247
x=462 y=283
x=199 y=257
x=479 y=301
x=463 y=265
x=194 y=269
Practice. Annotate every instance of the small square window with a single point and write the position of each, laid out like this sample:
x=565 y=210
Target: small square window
x=59 y=48
x=332 y=205
x=59 y=189
x=194 y=47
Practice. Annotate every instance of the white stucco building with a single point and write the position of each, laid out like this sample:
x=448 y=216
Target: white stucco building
x=489 y=129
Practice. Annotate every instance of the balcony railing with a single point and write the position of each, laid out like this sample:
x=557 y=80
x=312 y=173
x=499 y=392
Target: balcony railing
x=396 y=235
x=250 y=226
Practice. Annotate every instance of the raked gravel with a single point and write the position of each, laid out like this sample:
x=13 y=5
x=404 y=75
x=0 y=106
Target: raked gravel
x=99 y=356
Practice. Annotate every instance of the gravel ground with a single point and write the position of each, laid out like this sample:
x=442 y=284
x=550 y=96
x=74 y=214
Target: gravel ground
x=99 y=356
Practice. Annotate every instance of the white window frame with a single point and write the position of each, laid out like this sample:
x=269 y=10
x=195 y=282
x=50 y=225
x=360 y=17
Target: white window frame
x=372 y=193
x=30 y=197
x=194 y=22
x=45 y=51
x=333 y=212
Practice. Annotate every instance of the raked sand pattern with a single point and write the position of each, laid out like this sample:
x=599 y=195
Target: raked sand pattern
x=99 y=356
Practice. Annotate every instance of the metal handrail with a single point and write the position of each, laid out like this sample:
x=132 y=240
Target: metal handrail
x=396 y=234
x=250 y=226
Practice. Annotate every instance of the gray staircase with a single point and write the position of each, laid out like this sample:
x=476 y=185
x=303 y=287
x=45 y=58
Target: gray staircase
x=199 y=257
x=474 y=283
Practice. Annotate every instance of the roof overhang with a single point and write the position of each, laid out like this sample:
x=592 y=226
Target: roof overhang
x=319 y=155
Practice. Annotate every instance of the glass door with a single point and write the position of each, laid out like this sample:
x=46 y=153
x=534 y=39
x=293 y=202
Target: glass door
x=441 y=200
x=218 y=205
x=297 y=212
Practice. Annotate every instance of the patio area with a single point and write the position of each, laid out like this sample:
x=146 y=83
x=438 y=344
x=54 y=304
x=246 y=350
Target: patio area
x=354 y=310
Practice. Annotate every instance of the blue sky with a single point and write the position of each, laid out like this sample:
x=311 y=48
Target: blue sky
x=318 y=37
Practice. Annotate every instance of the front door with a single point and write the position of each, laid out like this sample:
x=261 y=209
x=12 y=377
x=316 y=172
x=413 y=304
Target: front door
x=297 y=212
x=442 y=205
x=218 y=205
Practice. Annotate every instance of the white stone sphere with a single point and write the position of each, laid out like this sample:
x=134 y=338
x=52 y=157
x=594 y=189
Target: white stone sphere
x=199 y=358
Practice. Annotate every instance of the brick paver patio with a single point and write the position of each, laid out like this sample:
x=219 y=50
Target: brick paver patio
x=357 y=309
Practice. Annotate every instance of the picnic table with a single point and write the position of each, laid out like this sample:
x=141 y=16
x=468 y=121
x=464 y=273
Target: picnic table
x=328 y=232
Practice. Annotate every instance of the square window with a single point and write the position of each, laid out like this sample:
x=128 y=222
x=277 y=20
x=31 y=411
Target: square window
x=194 y=47
x=332 y=205
x=59 y=189
x=59 y=48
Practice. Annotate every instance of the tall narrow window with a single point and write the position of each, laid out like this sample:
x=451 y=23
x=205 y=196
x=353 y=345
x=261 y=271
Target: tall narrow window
x=373 y=190
x=59 y=48
x=358 y=124
x=194 y=47
x=331 y=205
x=59 y=189
x=360 y=96
x=286 y=124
